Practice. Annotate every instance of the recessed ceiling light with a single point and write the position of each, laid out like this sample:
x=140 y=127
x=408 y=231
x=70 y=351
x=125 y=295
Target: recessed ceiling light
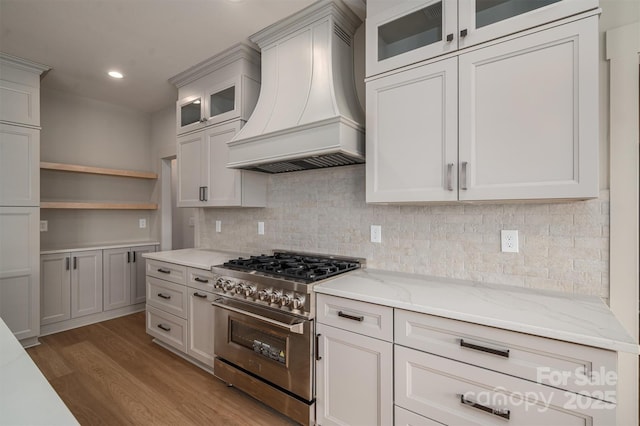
x=115 y=74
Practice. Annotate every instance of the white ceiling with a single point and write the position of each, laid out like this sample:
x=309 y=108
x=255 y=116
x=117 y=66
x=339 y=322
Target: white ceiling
x=147 y=40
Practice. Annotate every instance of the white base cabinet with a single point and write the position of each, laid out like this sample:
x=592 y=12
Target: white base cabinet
x=19 y=165
x=124 y=272
x=515 y=120
x=55 y=288
x=200 y=326
x=86 y=283
x=20 y=270
x=354 y=374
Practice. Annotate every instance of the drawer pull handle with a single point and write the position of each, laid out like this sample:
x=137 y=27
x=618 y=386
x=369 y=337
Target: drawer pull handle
x=164 y=296
x=164 y=327
x=499 y=352
x=201 y=280
x=500 y=412
x=201 y=296
x=351 y=317
x=164 y=271
x=318 y=357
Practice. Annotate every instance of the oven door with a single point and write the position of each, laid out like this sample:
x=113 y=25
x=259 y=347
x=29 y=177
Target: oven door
x=272 y=345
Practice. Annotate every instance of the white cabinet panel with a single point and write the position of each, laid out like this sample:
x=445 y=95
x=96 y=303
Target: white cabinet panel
x=354 y=379
x=200 y=323
x=19 y=166
x=55 y=288
x=412 y=135
x=19 y=103
x=86 y=283
x=138 y=272
x=355 y=316
x=190 y=170
x=529 y=119
x=224 y=184
x=117 y=278
x=20 y=270
x=168 y=328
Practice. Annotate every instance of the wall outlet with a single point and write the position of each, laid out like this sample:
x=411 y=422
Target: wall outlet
x=44 y=226
x=509 y=241
x=142 y=223
x=218 y=226
x=260 y=228
x=376 y=233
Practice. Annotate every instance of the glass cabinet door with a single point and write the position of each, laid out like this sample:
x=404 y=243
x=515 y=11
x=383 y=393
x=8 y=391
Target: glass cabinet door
x=223 y=102
x=410 y=32
x=483 y=20
x=189 y=113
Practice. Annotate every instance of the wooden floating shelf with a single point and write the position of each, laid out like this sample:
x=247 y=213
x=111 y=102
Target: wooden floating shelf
x=96 y=206
x=97 y=170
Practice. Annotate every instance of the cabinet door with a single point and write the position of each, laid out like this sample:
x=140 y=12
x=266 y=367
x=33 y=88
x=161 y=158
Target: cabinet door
x=55 y=288
x=529 y=116
x=223 y=101
x=86 y=283
x=200 y=325
x=19 y=166
x=20 y=270
x=485 y=20
x=412 y=135
x=190 y=170
x=138 y=273
x=117 y=278
x=20 y=102
x=409 y=32
x=223 y=185
x=354 y=379
x=189 y=114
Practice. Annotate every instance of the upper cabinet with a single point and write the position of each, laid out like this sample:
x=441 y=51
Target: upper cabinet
x=408 y=31
x=20 y=90
x=514 y=120
x=220 y=89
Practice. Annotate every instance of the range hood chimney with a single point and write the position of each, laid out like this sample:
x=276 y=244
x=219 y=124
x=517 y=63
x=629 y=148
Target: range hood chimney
x=308 y=115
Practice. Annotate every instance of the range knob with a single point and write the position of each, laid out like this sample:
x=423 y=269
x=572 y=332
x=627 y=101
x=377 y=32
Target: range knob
x=285 y=300
x=239 y=289
x=263 y=295
x=275 y=296
x=297 y=302
x=249 y=290
x=229 y=285
x=219 y=283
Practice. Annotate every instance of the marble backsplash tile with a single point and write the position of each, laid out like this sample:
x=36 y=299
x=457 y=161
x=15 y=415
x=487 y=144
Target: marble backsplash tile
x=563 y=246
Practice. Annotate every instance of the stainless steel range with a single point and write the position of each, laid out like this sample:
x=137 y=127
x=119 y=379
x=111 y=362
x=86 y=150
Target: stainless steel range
x=264 y=326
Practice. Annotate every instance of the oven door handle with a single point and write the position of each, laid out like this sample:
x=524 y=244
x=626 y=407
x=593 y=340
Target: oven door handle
x=297 y=328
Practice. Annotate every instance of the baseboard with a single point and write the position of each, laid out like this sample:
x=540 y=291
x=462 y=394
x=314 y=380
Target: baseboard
x=89 y=319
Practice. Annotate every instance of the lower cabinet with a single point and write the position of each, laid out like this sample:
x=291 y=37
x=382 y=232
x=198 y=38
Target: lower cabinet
x=19 y=270
x=354 y=371
x=124 y=272
x=86 y=283
x=179 y=310
x=354 y=378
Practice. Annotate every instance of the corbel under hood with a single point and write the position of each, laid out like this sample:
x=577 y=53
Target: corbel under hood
x=308 y=115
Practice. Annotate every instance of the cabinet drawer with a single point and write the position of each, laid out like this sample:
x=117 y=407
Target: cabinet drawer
x=168 y=328
x=201 y=279
x=359 y=317
x=407 y=418
x=167 y=271
x=455 y=393
x=547 y=361
x=167 y=296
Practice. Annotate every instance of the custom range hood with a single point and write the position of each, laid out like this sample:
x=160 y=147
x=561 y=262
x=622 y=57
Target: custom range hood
x=308 y=115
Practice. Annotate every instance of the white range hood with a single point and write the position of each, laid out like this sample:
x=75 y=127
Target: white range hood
x=308 y=115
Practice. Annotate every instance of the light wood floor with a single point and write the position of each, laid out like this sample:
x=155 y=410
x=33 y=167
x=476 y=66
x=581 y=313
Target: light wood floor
x=111 y=373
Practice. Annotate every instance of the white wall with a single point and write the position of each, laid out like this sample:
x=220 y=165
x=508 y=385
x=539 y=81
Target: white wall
x=85 y=131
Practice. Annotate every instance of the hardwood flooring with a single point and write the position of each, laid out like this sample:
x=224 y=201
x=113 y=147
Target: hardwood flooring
x=111 y=373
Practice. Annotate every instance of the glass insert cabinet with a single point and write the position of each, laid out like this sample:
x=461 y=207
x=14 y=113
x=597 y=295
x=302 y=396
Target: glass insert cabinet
x=214 y=105
x=404 y=32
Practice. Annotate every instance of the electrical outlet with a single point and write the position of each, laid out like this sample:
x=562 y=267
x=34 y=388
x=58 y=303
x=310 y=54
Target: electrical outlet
x=218 y=226
x=260 y=228
x=376 y=233
x=509 y=241
x=44 y=226
x=142 y=223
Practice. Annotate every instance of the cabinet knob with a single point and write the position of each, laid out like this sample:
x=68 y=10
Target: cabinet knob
x=463 y=33
x=450 y=37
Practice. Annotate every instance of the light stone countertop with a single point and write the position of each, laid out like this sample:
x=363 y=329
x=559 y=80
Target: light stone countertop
x=195 y=258
x=26 y=397
x=84 y=247
x=585 y=320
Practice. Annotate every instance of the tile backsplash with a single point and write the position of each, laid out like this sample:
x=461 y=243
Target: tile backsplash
x=563 y=246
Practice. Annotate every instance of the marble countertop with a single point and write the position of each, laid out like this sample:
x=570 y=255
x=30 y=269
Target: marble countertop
x=195 y=258
x=26 y=397
x=579 y=319
x=83 y=247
